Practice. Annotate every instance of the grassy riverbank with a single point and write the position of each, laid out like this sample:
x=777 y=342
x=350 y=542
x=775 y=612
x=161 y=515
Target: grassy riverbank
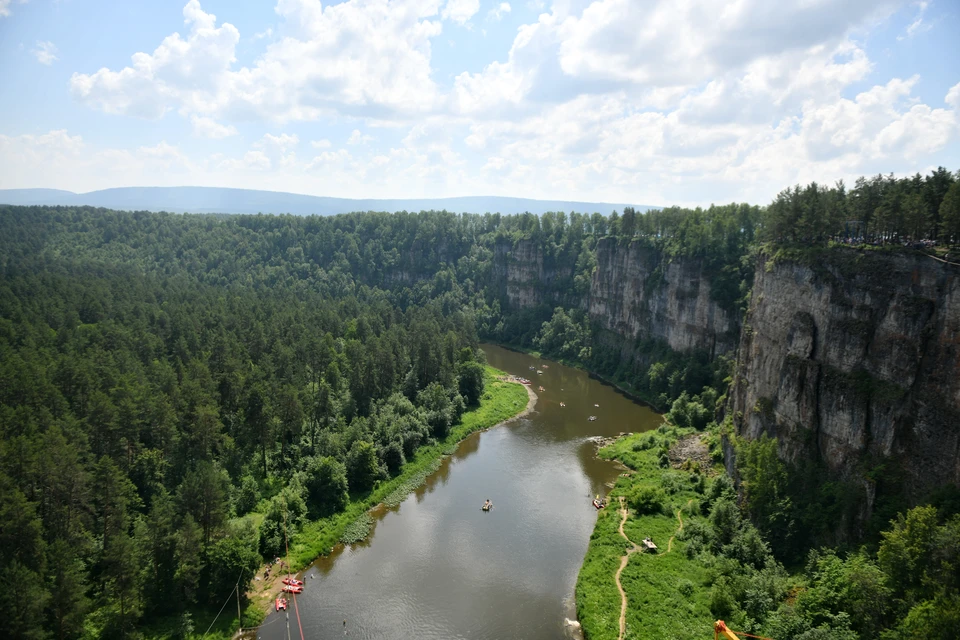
x=668 y=592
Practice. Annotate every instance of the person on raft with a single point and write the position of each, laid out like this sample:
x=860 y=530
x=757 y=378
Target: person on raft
x=487 y=505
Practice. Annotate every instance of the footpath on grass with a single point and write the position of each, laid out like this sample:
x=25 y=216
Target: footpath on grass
x=503 y=400
x=625 y=591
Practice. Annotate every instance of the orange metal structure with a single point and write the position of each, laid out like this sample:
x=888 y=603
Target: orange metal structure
x=720 y=630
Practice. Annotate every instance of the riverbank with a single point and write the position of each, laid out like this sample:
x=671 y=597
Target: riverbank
x=502 y=402
x=631 y=394
x=624 y=593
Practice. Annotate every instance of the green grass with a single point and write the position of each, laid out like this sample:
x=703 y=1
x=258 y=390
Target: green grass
x=667 y=593
x=501 y=401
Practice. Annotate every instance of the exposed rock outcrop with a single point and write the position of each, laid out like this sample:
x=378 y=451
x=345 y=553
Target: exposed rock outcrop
x=853 y=358
x=635 y=293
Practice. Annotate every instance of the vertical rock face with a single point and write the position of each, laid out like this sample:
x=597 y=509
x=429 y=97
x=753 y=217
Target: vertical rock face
x=523 y=272
x=853 y=358
x=636 y=294
x=633 y=294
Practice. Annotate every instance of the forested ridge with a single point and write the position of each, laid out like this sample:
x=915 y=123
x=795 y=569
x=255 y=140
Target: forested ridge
x=173 y=386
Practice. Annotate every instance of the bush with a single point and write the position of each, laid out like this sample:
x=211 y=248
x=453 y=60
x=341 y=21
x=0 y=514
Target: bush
x=685 y=587
x=722 y=603
x=646 y=500
x=673 y=482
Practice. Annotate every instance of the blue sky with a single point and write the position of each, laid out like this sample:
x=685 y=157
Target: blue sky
x=644 y=101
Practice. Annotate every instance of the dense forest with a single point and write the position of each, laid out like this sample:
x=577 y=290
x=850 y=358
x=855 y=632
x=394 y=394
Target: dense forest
x=163 y=375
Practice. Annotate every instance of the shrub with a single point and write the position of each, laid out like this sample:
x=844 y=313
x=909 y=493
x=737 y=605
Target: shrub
x=646 y=500
x=722 y=603
x=685 y=587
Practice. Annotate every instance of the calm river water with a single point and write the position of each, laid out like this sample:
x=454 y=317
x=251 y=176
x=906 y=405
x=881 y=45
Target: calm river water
x=439 y=568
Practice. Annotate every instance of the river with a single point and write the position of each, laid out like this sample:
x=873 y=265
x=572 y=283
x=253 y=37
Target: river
x=437 y=567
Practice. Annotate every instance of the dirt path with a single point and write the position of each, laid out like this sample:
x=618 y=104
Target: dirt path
x=634 y=548
x=623 y=563
x=679 y=529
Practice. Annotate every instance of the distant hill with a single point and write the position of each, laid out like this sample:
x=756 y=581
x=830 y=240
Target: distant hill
x=219 y=200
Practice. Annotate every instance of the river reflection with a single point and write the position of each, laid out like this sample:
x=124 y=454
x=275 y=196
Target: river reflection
x=437 y=567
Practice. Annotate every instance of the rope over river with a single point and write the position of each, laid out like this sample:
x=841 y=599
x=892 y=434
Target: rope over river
x=438 y=568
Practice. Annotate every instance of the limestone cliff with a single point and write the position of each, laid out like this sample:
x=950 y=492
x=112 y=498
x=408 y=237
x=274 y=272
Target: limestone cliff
x=635 y=293
x=853 y=358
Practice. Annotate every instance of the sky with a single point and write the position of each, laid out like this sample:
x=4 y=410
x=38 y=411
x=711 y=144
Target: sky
x=657 y=102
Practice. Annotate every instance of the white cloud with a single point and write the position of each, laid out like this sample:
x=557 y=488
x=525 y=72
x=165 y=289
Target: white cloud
x=609 y=100
x=918 y=25
x=330 y=159
x=499 y=11
x=45 y=52
x=30 y=160
x=204 y=127
x=359 y=138
x=953 y=96
x=460 y=11
x=360 y=57
x=282 y=143
x=253 y=160
x=5 y=7
x=649 y=47
x=189 y=73
x=266 y=33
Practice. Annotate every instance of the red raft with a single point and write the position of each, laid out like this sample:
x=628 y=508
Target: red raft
x=290 y=588
x=292 y=582
x=281 y=604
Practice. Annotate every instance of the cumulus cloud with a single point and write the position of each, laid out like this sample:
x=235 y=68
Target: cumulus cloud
x=359 y=138
x=204 y=127
x=45 y=52
x=953 y=96
x=254 y=160
x=460 y=11
x=364 y=57
x=187 y=72
x=282 y=143
x=609 y=100
x=499 y=11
